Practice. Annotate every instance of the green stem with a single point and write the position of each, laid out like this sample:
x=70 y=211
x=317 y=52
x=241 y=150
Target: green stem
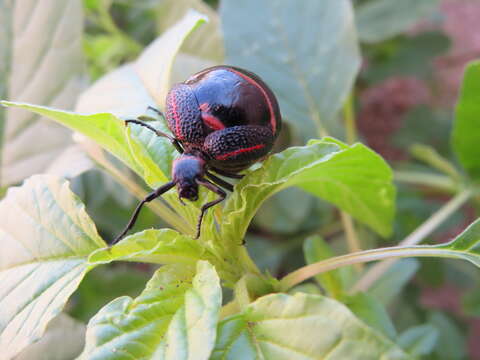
x=349 y=119
x=351 y=235
x=351 y=135
x=418 y=235
x=309 y=271
x=376 y=271
x=440 y=182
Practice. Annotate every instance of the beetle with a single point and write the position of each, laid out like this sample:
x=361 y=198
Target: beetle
x=223 y=119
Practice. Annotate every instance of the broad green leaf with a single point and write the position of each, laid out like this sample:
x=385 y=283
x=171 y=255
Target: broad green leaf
x=154 y=65
x=354 y=178
x=110 y=133
x=64 y=339
x=465 y=246
x=46 y=237
x=207 y=42
x=413 y=57
x=300 y=326
x=372 y=312
x=174 y=318
x=144 y=82
x=105 y=129
x=279 y=216
x=465 y=135
x=163 y=246
x=316 y=249
x=379 y=20
x=51 y=44
x=306 y=51
x=419 y=340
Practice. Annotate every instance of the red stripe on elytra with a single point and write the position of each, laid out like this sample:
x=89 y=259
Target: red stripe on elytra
x=239 y=151
x=178 y=128
x=210 y=120
x=273 y=122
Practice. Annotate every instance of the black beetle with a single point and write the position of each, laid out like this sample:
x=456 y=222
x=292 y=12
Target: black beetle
x=223 y=120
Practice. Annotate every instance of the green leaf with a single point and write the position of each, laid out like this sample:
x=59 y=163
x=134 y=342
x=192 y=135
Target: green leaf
x=63 y=339
x=48 y=45
x=46 y=238
x=354 y=178
x=316 y=249
x=174 y=318
x=300 y=326
x=163 y=246
x=306 y=51
x=465 y=246
x=419 y=340
x=145 y=82
x=465 y=135
x=110 y=133
x=154 y=65
x=379 y=20
x=207 y=42
x=105 y=129
x=372 y=312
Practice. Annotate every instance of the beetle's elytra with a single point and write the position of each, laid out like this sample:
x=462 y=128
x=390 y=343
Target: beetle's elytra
x=223 y=119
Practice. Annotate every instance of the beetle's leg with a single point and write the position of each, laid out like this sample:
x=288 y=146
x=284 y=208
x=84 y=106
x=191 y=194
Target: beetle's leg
x=212 y=187
x=219 y=181
x=153 y=195
x=159 y=112
x=227 y=174
x=174 y=141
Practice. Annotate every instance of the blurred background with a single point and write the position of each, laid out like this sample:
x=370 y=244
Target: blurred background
x=398 y=66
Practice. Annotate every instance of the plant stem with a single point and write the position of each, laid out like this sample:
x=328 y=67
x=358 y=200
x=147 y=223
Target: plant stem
x=351 y=136
x=349 y=119
x=440 y=182
x=309 y=271
x=351 y=235
x=376 y=271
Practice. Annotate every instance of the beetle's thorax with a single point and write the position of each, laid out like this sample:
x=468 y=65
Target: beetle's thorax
x=185 y=171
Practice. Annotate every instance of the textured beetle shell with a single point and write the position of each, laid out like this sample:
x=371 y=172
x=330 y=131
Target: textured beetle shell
x=183 y=115
x=234 y=148
x=227 y=113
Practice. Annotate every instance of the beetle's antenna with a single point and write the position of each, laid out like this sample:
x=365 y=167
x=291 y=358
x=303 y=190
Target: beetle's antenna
x=174 y=141
x=159 y=112
x=153 y=195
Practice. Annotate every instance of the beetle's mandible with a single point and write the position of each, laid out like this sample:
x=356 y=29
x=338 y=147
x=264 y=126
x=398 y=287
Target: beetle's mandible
x=223 y=119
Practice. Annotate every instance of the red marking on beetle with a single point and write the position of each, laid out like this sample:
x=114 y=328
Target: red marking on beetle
x=239 y=151
x=178 y=128
x=210 y=120
x=273 y=122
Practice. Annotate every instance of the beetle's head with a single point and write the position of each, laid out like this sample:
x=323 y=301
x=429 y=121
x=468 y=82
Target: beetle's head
x=185 y=172
x=188 y=191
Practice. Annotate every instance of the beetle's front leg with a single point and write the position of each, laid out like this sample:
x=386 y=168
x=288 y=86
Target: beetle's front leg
x=222 y=195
